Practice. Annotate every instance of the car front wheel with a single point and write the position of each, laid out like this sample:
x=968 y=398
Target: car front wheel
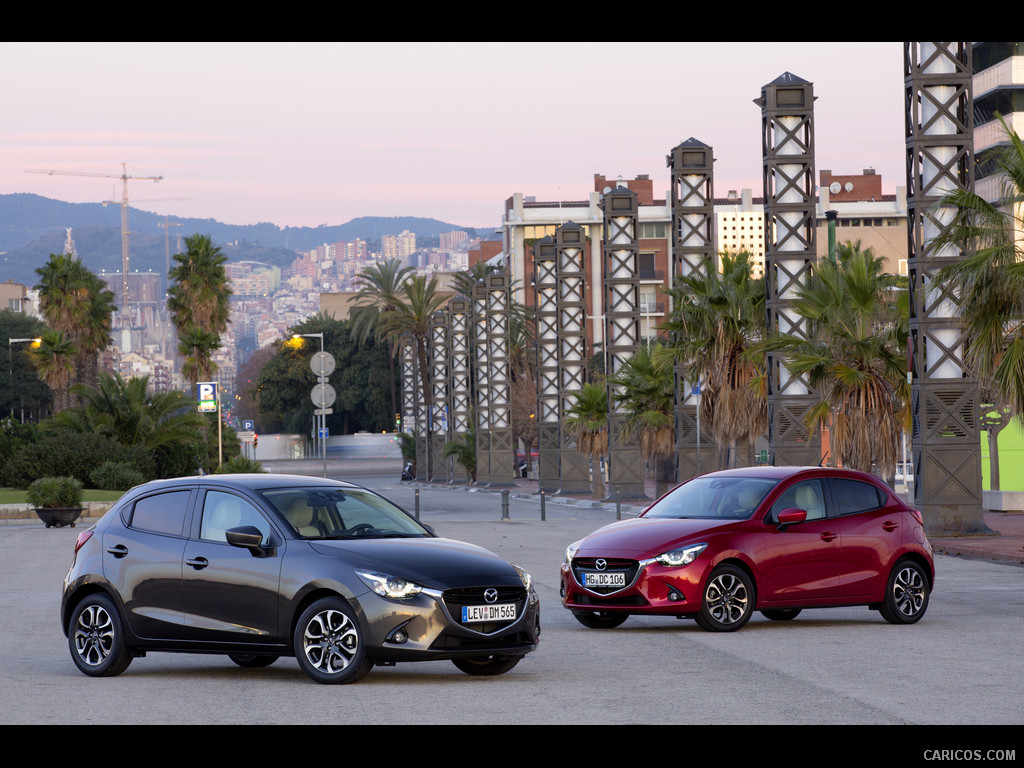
x=486 y=666
x=96 y=638
x=728 y=600
x=906 y=594
x=328 y=643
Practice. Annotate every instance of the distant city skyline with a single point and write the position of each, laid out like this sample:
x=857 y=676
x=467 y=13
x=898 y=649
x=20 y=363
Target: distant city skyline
x=303 y=134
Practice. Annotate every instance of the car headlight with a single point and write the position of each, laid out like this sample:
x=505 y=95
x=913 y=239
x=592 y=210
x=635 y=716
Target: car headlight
x=389 y=586
x=527 y=578
x=681 y=556
x=570 y=551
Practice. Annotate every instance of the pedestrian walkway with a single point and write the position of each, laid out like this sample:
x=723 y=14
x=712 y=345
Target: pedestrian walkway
x=1005 y=544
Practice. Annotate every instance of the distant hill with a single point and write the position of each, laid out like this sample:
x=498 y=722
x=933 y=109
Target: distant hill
x=32 y=227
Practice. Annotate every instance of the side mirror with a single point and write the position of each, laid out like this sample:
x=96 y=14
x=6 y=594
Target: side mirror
x=791 y=516
x=246 y=537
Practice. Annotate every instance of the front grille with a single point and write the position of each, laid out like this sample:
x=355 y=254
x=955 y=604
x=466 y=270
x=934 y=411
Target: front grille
x=455 y=599
x=612 y=565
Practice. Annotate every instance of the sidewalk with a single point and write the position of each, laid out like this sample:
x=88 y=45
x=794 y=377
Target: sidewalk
x=1006 y=545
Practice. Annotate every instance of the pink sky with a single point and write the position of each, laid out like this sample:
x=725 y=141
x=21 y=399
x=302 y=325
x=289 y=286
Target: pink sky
x=303 y=134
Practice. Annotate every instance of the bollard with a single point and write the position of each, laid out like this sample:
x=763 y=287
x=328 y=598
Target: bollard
x=618 y=502
x=504 y=504
x=417 y=503
x=542 y=510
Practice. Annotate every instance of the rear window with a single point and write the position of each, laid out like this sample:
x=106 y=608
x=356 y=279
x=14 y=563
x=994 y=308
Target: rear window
x=161 y=513
x=855 y=496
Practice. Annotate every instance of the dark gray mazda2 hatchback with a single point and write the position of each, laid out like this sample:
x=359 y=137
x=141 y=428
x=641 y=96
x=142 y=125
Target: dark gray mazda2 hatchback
x=262 y=566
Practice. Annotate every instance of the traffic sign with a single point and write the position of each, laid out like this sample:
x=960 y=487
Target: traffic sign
x=323 y=395
x=322 y=363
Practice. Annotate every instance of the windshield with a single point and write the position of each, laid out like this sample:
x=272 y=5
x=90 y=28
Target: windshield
x=342 y=513
x=733 y=498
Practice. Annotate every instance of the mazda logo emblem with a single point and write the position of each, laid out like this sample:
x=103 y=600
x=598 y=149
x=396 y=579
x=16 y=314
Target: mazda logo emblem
x=601 y=564
x=490 y=595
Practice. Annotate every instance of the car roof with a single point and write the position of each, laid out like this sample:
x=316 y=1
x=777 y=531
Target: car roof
x=255 y=481
x=783 y=472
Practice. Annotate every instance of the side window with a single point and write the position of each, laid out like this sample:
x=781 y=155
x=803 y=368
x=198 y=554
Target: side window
x=854 y=496
x=161 y=513
x=807 y=495
x=224 y=511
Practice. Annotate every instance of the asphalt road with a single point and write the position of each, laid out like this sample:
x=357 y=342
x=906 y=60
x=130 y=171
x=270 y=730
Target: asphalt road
x=960 y=665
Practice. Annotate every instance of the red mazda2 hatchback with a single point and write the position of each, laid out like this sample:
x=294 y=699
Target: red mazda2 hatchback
x=772 y=539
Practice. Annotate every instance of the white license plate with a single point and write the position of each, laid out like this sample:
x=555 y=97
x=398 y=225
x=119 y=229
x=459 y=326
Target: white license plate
x=604 y=579
x=499 y=612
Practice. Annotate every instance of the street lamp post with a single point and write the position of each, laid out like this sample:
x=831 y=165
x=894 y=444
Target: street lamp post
x=322 y=366
x=10 y=367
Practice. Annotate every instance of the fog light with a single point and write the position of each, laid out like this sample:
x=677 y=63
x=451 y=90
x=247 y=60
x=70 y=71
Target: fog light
x=674 y=596
x=398 y=636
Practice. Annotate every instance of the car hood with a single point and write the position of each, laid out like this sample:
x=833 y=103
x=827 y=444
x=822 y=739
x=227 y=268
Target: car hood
x=645 y=537
x=433 y=562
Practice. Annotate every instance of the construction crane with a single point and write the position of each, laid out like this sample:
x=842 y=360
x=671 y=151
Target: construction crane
x=124 y=217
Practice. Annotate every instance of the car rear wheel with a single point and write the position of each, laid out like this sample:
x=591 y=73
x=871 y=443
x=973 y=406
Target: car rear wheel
x=486 y=666
x=728 y=600
x=96 y=638
x=328 y=644
x=906 y=594
x=600 y=620
x=252 y=660
x=781 y=614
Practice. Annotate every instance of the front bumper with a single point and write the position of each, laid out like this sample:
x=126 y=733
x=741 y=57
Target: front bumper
x=429 y=627
x=650 y=588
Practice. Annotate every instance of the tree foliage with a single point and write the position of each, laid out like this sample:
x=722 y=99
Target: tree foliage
x=198 y=299
x=648 y=402
x=361 y=379
x=716 y=319
x=854 y=358
x=989 y=281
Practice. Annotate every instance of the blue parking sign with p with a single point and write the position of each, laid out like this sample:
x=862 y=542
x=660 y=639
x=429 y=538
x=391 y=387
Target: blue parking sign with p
x=206 y=394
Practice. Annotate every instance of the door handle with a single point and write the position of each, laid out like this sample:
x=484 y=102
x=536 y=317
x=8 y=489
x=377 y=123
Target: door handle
x=828 y=536
x=118 y=550
x=198 y=562
x=889 y=526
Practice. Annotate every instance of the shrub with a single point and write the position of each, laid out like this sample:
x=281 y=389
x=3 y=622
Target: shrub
x=74 y=454
x=116 y=476
x=55 y=492
x=239 y=465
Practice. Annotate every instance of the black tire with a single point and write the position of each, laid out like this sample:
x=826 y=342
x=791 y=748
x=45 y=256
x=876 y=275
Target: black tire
x=728 y=602
x=599 y=620
x=252 y=660
x=486 y=666
x=906 y=594
x=96 y=638
x=781 y=614
x=328 y=643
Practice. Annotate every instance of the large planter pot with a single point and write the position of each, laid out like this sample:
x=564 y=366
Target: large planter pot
x=58 y=517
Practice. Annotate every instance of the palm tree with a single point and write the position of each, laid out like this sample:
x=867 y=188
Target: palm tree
x=416 y=303
x=716 y=320
x=77 y=302
x=854 y=358
x=199 y=303
x=648 y=403
x=990 y=280
x=125 y=410
x=586 y=422
x=381 y=284
x=54 y=358
x=464 y=451
x=196 y=347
